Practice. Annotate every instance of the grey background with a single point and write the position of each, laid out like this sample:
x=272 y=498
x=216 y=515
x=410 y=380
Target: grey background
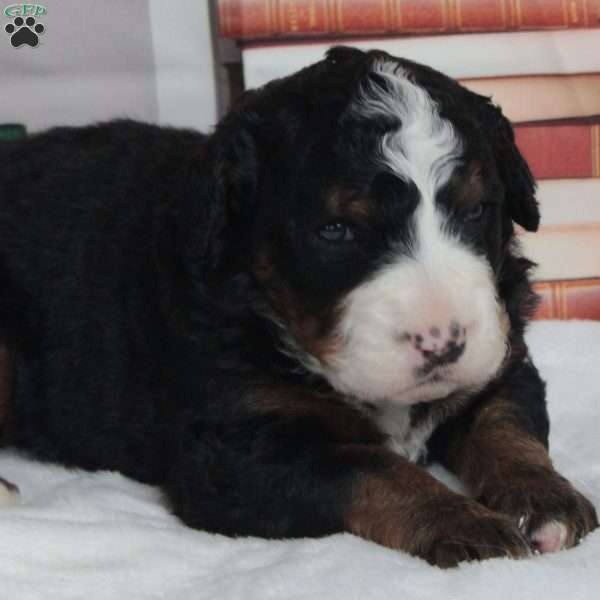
x=104 y=59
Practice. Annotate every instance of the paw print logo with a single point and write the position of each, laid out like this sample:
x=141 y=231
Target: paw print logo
x=24 y=31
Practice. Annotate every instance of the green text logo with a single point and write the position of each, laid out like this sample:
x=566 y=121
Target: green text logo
x=25 y=10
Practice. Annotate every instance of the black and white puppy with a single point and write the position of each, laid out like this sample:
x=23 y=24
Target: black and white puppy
x=278 y=322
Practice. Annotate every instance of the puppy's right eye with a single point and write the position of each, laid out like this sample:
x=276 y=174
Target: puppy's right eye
x=336 y=232
x=473 y=214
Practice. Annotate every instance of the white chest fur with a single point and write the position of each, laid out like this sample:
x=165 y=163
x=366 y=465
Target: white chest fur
x=405 y=439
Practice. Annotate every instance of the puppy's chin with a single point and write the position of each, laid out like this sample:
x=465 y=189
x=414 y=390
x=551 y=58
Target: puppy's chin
x=429 y=390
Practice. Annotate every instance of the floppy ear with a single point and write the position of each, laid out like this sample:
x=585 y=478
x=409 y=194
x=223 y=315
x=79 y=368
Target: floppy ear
x=224 y=190
x=517 y=179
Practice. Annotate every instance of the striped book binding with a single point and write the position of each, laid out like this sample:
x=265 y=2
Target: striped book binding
x=569 y=299
x=260 y=19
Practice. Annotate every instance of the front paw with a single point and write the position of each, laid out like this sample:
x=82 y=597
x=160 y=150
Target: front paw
x=464 y=531
x=545 y=506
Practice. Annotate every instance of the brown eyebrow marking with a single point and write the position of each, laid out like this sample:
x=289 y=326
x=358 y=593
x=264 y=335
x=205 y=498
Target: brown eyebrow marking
x=469 y=191
x=350 y=204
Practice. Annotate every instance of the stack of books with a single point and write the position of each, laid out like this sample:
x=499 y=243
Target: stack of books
x=538 y=59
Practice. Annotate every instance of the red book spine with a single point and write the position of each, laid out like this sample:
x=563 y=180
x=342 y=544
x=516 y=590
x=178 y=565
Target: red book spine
x=561 y=149
x=256 y=19
x=569 y=299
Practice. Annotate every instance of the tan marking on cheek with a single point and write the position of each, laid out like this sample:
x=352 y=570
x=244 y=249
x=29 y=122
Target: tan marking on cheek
x=312 y=331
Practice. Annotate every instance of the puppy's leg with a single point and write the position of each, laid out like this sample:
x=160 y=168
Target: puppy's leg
x=501 y=454
x=6 y=374
x=8 y=491
x=286 y=464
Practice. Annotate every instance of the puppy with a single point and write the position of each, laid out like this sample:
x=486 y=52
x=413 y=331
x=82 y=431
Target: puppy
x=280 y=322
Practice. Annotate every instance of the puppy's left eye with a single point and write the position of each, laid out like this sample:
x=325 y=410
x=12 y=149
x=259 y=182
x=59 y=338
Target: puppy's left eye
x=336 y=232
x=473 y=214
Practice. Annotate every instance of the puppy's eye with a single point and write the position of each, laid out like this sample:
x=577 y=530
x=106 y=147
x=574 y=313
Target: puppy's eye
x=336 y=232
x=473 y=214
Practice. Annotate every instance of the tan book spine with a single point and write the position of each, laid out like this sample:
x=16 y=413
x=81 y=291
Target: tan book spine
x=542 y=97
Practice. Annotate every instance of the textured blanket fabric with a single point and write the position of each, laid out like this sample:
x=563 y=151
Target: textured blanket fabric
x=83 y=535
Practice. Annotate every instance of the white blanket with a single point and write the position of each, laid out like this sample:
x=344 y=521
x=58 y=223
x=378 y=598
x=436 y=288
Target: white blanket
x=87 y=536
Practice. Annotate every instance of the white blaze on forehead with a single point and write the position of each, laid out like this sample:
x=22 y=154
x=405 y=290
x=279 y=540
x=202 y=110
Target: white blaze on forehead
x=425 y=148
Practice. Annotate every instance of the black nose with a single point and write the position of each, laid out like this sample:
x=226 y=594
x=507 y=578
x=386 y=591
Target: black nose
x=447 y=355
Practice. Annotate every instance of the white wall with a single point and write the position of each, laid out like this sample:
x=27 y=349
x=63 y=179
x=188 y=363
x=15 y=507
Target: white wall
x=185 y=77
x=144 y=59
